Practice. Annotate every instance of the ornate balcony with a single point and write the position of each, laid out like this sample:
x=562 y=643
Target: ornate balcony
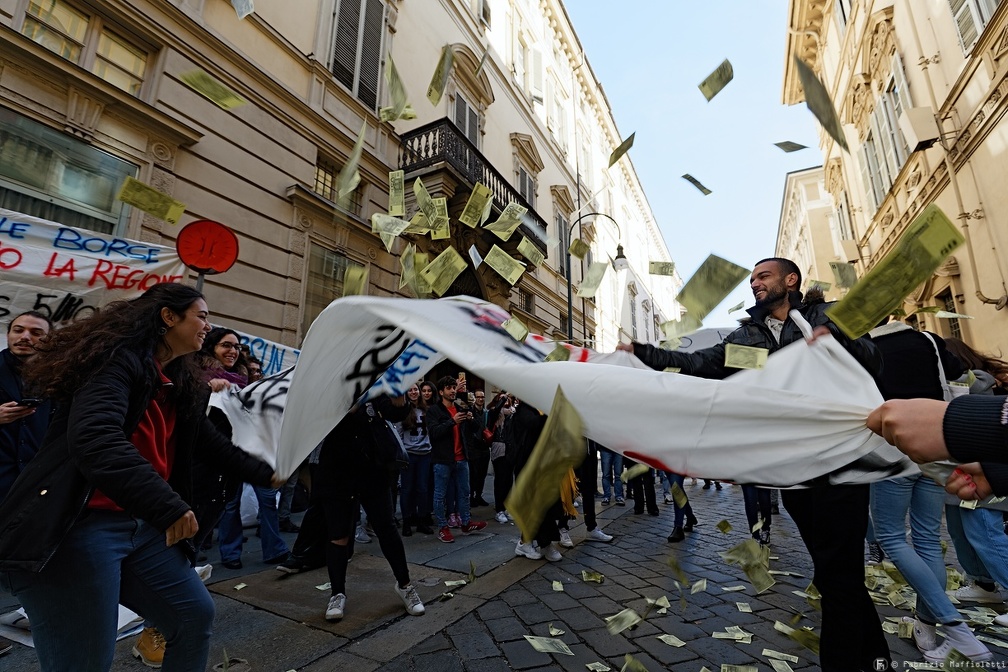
x=441 y=144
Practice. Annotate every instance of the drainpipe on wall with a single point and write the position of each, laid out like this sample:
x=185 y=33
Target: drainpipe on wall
x=963 y=216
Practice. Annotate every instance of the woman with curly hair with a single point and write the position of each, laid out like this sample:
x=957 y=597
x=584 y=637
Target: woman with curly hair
x=102 y=515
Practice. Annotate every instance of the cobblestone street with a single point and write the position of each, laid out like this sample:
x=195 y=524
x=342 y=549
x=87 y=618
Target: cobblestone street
x=276 y=623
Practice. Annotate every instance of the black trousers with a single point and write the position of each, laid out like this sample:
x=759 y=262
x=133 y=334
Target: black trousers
x=587 y=474
x=479 y=465
x=503 y=480
x=833 y=521
x=643 y=492
x=373 y=492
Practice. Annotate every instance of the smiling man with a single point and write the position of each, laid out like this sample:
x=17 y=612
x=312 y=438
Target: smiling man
x=832 y=519
x=23 y=420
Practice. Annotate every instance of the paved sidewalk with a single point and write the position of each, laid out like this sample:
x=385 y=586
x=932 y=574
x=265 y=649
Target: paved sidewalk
x=276 y=622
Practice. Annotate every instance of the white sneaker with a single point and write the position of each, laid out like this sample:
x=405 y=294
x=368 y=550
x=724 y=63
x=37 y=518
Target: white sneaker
x=501 y=517
x=598 y=535
x=962 y=639
x=552 y=554
x=974 y=593
x=924 y=635
x=1001 y=620
x=565 y=539
x=528 y=550
x=361 y=536
x=337 y=603
x=414 y=607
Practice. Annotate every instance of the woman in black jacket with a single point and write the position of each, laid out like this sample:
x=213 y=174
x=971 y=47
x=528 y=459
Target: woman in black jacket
x=102 y=515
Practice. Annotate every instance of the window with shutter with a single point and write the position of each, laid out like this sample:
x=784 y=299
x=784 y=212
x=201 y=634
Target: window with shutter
x=526 y=185
x=467 y=119
x=357 y=47
x=967 y=22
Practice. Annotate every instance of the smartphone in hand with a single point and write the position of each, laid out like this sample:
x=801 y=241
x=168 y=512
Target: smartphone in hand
x=30 y=402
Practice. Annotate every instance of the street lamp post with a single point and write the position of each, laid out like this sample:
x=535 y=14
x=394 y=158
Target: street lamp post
x=620 y=263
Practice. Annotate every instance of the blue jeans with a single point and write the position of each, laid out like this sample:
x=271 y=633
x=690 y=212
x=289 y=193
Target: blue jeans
x=612 y=467
x=230 y=530
x=110 y=557
x=673 y=477
x=457 y=474
x=921 y=565
x=413 y=492
x=984 y=531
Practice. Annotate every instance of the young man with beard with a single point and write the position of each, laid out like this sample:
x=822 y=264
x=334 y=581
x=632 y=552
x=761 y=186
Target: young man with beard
x=23 y=419
x=832 y=519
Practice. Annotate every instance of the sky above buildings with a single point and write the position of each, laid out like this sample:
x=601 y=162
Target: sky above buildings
x=650 y=56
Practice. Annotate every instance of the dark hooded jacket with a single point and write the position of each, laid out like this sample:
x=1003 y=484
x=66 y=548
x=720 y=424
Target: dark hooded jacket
x=88 y=446
x=710 y=362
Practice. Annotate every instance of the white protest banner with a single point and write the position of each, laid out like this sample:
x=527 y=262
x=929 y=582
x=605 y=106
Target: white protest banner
x=761 y=426
x=275 y=357
x=65 y=272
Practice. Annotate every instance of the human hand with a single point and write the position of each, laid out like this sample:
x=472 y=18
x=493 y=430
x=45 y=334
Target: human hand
x=183 y=528
x=625 y=347
x=11 y=412
x=461 y=417
x=219 y=384
x=819 y=331
x=277 y=481
x=914 y=426
x=968 y=481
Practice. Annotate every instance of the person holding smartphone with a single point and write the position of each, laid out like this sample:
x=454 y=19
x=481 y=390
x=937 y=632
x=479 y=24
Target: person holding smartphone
x=24 y=417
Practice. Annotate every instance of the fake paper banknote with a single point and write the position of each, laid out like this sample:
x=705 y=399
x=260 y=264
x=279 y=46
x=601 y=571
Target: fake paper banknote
x=509 y=220
x=441 y=272
x=528 y=250
x=397 y=193
x=150 y=200
x=476 y=205
x=506 y=266
x=592 y=280
x=710 y=284
x=211 y=89
x=439 y=80
x=918 y=253
x=717 y=80
x=817 y=99
x=661 y=267
x=621 y=150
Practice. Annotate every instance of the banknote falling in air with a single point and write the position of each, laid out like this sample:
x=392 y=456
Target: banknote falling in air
x=510 y=219
x=917 y=255
x=661 y=267
x=623 y=148
x=400 y=108
x=844 y=273
x=744 y=356
x=476 y=205
x=441 y=272
x=388 y=228
x=560 y=448
x=150 y=200
x=506 y=266
x=355 y=281
x=788 y=146
x=528 y=250
x=516 y=329
x=243 y=8
x=440 y=78
x=349 y=175
x=709 y=285
x=737 y=306
x=717 y=80
x=397 y=193
x=696 y=183
x=211 y=89
x=579 y=248
x=817 y=99
x=592 y=280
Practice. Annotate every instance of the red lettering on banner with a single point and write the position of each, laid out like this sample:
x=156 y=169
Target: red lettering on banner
x=68 y=268
x=118 y=276
x=10 y=257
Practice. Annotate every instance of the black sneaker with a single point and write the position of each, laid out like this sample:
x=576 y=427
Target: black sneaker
x=292 y=565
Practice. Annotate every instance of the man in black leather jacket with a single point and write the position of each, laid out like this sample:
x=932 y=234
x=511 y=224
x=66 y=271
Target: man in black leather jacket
x=832 y=519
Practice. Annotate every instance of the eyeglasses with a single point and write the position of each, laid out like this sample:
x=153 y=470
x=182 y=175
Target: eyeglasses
x=228 y=346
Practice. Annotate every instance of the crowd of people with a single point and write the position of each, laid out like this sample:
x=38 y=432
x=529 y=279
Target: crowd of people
x=113 y=476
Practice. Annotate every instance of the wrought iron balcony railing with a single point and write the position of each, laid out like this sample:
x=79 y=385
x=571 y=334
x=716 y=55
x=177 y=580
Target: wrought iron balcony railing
x=442 y=142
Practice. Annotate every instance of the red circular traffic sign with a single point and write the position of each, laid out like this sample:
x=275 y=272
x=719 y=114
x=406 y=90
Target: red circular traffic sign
x=207 y=247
